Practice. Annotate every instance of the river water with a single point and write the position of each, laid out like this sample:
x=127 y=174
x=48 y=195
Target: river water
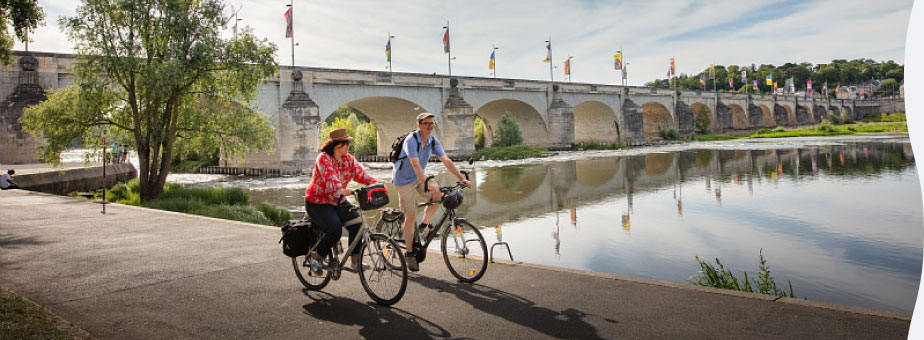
x=840 y=218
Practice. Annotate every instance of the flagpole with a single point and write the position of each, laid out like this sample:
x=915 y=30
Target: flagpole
x=551 y=74
x=292 y=21
x=449 y=49
x=494 y=48
x=390 y=69
x=569 y=67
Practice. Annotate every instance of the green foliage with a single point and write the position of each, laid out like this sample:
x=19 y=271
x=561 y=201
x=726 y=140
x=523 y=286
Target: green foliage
x=720 y=277
x=158 y=73
x=508 y=131
x=479 y=133
x=243 y=213
x=21 y=16
x=701 y=120
x=668 y=133
x=358 y=126
x=887 y=117
x=594 y=145
x=510 y=152
x=823 y=129
x=24 y=320
x=208 y=196
x=278 y=215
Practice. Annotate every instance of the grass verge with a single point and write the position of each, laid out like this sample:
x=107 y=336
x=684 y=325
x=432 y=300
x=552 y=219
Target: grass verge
x=823 y=129
x=22 y=319
x=510 y=152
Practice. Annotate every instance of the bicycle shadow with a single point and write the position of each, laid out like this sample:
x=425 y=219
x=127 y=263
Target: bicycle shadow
x=567 y=324
x=376 y=321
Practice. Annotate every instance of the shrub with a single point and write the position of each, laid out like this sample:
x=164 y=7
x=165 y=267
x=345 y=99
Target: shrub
x=508 y=131
x=366 y=140
x=594 y=145
x=510 y=152
x=701 y=120
x=720 y=277
x=479 y=133
x=208 y=196
x=668 y=133
x=276 y=214
x=243 y=213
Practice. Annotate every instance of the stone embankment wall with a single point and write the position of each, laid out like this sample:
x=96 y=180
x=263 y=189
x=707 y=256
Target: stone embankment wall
x=67 y=181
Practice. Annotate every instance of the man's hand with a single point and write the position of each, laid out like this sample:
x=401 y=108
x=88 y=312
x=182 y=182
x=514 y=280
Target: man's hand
x=345 y=192
x=468 y=184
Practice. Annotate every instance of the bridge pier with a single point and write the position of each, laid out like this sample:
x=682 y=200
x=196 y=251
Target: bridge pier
x=561 y=122
x=458 y=120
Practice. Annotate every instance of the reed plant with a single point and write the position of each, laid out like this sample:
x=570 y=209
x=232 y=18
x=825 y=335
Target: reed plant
x=720 y=277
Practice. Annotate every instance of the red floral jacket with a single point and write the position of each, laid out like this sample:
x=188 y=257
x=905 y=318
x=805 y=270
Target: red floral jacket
x=329 y=176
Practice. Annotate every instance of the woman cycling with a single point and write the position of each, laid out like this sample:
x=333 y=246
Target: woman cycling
x=325 y=198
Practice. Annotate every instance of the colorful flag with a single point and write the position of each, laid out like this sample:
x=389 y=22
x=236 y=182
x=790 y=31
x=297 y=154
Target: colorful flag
x=755 y=85
x=617 y=60
x=838 y=88
x=712 y=71
x=288 y=16
x=809 y=88
x=668 y=73
x=731 y=83
x=548 y=55
x=446 y=40
x=744 y=76
x=567 y=67
x=769 y=79
x=702 y=79
x=491 y=63
x=388 y=51
x=774 y=86
x=673 y=70
x=825 y=88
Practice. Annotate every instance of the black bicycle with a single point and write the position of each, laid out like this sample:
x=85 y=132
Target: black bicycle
x=464 y=249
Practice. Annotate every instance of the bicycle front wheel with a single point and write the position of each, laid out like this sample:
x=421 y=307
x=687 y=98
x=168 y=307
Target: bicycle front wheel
x=385 y=278
x=464 y=251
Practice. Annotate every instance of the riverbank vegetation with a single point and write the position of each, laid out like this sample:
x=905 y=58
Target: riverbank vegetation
x=594 y=145
x=358 y=126
x=878 y=124
x=224 y=203
x=24 y=320
x=720 y=277
x=507 y=143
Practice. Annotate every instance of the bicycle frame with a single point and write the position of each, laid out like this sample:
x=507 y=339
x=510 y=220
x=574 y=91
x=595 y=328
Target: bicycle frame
x=363 y=233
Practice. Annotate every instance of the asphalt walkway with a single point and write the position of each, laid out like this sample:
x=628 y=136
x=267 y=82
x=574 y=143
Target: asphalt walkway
x=135 y=273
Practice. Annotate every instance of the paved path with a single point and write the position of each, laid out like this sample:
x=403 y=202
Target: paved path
x=144 y=274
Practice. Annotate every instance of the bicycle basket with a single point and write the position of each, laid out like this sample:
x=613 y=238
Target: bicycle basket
x=372 y=197
x=453 y=199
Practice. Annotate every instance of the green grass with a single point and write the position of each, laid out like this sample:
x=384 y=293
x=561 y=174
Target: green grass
x=510 y=152
x=278 y=215
x=593 y=145
x=720 y=277
x=823 y=129
x=24 y=320
x=886 y=117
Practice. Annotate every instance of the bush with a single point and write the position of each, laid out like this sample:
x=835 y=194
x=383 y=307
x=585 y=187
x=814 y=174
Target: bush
x=208 y=196
x=510 y=152
x=508 y=131
x=594 y=145
x=243 y=213
x=366 y=140
x=668 y=133
x=701 y=120
x=358 y=126
x=479 y=133
x=278 y=215
x=720 y=277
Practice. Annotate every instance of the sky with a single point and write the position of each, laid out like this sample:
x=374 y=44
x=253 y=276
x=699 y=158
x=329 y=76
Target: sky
x=353 y=34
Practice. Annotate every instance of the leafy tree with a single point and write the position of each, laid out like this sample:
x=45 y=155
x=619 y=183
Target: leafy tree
x=364 y=133
x=20 y=15
x=159 y=72
x=888 y=86
x=479 y=133
x=508 y=131
x=701 y=120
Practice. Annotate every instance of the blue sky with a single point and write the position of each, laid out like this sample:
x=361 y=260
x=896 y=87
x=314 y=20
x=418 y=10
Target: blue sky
x=352 y=34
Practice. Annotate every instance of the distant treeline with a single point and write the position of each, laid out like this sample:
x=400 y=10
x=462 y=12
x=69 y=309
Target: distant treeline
x=837 y=72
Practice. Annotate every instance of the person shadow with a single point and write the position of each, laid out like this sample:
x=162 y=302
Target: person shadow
x=376 y=321
x=567 y=324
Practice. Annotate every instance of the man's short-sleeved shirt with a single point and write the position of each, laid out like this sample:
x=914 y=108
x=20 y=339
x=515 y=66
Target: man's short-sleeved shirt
x=5 y=181
x=403 y=173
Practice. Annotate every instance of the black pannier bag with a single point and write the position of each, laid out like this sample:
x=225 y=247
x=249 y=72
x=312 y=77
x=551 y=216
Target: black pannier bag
x=372 y=197
x=296 y=238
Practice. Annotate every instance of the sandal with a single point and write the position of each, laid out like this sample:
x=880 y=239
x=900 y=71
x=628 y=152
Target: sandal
x=316 y=266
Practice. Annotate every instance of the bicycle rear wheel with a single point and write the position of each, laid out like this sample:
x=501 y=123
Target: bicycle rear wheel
x=303 y=271
x=386 y=280
x=464 y=251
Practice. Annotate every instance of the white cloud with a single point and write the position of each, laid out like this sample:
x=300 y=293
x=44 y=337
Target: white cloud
x=352 y=34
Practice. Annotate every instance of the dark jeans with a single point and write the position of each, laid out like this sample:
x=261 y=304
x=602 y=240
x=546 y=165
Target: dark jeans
x=12 y=186
x=330 y=219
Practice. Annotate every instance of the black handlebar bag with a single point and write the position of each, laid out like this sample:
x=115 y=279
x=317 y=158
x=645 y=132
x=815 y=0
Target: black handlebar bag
x=372 y=197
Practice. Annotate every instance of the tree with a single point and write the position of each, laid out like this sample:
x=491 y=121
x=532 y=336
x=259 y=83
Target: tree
x=479 y=133
x=158 y=71
x=22 y=16
x=508 y=131
x=701 y=120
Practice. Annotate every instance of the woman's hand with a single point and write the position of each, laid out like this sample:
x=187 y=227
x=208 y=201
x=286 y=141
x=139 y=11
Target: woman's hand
x=345 y=192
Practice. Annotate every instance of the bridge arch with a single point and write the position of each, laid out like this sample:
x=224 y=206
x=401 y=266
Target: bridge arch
x=655 y=116
x=392 y=117
x=768 y=120
x=803 y=115
x=819 y=113
x=597 y=122
x=836 y=112
x=697 y=106
x=531 y=123
x=739 y=117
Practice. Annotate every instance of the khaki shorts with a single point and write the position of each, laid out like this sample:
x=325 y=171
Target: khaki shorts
x=408 y=194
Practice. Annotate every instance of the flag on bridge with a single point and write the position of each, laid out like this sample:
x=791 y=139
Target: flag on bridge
x=446 y=40
x=702 y=79
x=388 y=51
x=769 y=79
x=809 y=89
x=774 y=87
x=491 y=63
x=617 y=60
x=568 y=67
x=825 y=88
x=673 y=70
x=744 y=76
x=712 y=71
x=548 y=54
x=755 y=85
x=668 y=73
x=731 y=83
x=288 y=16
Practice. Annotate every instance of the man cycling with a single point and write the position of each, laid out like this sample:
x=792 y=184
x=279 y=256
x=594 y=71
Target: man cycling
x=409 y=177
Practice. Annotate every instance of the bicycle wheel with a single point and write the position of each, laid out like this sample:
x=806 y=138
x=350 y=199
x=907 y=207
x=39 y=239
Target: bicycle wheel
x=303 y=272
x=464 y=251
x=386 y=280
x=391 y=228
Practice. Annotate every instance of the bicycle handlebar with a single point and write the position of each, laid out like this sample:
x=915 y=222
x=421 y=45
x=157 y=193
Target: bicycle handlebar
x=427 y=182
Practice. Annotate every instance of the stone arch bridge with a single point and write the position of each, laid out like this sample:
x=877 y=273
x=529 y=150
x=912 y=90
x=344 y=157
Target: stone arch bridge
x=297 y=101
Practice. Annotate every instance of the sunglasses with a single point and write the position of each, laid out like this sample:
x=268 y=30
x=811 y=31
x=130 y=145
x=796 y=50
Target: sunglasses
x=427 y=123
